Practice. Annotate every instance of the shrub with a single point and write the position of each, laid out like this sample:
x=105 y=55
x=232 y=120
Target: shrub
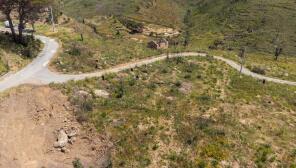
x=77 y=164
x=31 y=47
x=74 y=50
x=119 y=91
x=215 y=151
x=263 y=155
x=258 y=70
x=84 y=106
x=178 y=84
x=133 y=26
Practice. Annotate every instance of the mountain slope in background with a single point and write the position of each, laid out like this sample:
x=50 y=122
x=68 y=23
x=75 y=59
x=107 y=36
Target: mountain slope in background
x=259 y=25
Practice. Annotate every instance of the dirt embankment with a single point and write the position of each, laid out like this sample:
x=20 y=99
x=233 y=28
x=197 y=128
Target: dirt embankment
x=30 y=121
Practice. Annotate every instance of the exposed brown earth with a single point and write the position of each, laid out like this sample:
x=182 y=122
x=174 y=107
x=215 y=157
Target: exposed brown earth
x=30 y=119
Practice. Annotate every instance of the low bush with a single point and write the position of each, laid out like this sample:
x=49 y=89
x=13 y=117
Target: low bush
x=258 y=70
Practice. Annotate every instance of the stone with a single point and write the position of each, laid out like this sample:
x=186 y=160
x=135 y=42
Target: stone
x=118 y=122
x=62 y=139
x=102 y=93
x=72 y=140
x=170 y=98
x=65 y=150
x=235 y=165
x=82 y=93
x=185 y=88
x=286 y=74
x=71 y=133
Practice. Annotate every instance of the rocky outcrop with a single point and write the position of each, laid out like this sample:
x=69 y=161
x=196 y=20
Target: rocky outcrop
x=62 y=139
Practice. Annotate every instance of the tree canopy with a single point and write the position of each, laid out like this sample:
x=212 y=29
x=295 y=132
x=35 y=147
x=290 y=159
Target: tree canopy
x=26 y=10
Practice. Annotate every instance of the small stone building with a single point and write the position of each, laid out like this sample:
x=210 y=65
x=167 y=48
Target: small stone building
x=159 y=44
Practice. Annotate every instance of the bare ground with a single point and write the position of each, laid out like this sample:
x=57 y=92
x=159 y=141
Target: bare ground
x=30 y=118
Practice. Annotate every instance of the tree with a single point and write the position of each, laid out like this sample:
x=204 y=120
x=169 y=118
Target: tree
x=242 y=56
x=7 y=6
x=27 y=11
x=278 y=52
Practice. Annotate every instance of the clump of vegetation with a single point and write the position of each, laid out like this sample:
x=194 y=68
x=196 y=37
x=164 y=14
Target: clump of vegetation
x=15 y=56
x=264 y=156
x=77 y=164
x=133 y=26
x=258 y=70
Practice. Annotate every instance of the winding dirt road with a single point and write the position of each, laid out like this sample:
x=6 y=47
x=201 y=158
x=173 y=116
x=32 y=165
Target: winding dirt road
x=38 y=73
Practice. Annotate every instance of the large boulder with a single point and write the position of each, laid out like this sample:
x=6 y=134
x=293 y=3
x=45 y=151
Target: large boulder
x=62 y=139
x=102 y=93
x=81 y=94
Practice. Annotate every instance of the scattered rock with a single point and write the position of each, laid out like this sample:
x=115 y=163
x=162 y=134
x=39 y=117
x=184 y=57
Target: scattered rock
x=118 y=122
x=82 y=94
x=235 y=165
x=225 y=163
x=71 y=133
x=72 y=140
x=62 y=139
x=286 y=74
x=206 y=116
x=170 y=98
x=65 y=150
x=185 y=88
x=102 y=93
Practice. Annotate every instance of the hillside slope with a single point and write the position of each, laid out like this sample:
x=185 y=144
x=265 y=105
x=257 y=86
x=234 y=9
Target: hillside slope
x=155 y=11
x=259 y=25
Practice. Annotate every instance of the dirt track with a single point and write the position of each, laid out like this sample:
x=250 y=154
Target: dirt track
x=38 y=73
x=29 y=120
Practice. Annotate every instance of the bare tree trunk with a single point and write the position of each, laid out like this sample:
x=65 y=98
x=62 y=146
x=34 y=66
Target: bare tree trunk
x=52 y=19
x=21 y=25
x=241 y=68
x=20 y=29
x=33 y=29
x=11 y=26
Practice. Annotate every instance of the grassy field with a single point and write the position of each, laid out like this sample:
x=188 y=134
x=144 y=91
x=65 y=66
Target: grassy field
x=190 y=113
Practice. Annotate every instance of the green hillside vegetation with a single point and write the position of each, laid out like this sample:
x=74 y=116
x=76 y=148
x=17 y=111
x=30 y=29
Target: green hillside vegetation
x=150 y=11
x=15 y=56
x=217 y=27
x=3 y=67
x=193 y=112
x=260 y=25
x=190 y=113
x=108 y=45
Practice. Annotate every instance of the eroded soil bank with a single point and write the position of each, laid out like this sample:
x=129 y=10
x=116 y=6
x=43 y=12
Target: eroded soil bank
x=30 y=120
